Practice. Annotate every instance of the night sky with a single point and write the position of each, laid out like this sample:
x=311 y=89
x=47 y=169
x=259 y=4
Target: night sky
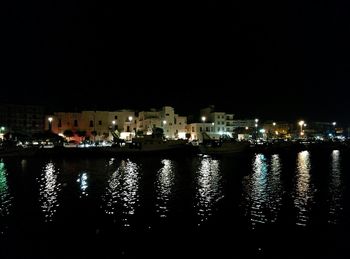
x=267 y=60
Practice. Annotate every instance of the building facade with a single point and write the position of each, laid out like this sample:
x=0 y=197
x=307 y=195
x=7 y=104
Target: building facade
x=24 y=119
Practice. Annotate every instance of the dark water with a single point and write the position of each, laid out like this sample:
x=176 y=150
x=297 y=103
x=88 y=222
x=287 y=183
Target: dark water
x=293 y=205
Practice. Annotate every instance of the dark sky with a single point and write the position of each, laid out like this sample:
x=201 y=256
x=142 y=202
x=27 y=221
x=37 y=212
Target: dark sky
x=269 y=59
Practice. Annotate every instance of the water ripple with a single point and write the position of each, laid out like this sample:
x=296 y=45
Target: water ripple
x=209 y=189
x=164 y=186
x=336 y=189
x=122 y=193
x=48 y=191
x=304 y=191
x=262 y=190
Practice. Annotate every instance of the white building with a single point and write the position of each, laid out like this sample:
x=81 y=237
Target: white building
x=173 y=125
x=221 y=122
x=197 y=129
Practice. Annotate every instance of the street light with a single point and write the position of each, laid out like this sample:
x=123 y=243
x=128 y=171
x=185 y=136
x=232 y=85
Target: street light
x=130 y=118
x=113 y=122
x=301 y=124
x=203 y=118
x=50 y=123
x=274 y=124
x=334 y=123
x=164 y=122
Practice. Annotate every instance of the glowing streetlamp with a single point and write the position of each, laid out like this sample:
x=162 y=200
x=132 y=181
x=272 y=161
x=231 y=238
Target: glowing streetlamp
x=274 y=124
x=246 y=128
x=113 y=122
x=164 y=122
x=203 y=118
x=334 y=123
x=50 y=123
x=130 y=118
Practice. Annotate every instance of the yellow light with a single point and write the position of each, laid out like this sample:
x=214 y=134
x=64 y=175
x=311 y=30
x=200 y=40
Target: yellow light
x=50 y=119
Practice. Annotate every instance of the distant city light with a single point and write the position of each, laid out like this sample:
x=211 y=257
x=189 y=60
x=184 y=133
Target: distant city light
x=246 y=128
x=212 y=123
x=256 y=120
x=274 y=124
x=262 y=130
x=334 y=123
x=301 y=123
x=204 y=118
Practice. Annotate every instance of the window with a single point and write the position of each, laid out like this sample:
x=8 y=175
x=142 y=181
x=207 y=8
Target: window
x=207 y=129
x=167 y=114
x=91 y=124
x=75 y=123
x=192 y=129
x=59 y=123
x=170 y=124
x=200 y=129
x=116 y=117
x=99 y=122
x=212 y=128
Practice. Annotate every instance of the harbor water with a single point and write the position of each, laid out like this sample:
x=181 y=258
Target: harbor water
x=276 y=205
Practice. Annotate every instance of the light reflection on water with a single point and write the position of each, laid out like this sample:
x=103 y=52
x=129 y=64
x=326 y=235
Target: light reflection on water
x=208 y=189
x=304 y=191
x=164 y=186
x=122 y=192
x=49 y=190
x=5 y=195
x=83 y=182
x=262 y=190
x=335 y=188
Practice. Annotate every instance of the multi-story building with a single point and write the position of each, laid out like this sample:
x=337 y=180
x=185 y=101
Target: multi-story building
x=24 y=119
x=221 y=122
x=96 y=124
x=248 y=123
x=173 y=125
x=198 y=129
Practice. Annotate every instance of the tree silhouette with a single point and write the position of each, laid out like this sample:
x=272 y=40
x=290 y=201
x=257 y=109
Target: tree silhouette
x=68 y=133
